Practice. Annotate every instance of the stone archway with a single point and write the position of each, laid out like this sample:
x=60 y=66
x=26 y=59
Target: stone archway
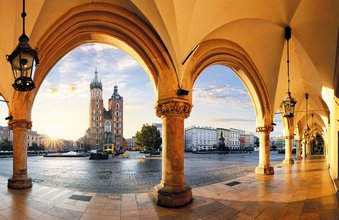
x=230 y=54
x=92 y=22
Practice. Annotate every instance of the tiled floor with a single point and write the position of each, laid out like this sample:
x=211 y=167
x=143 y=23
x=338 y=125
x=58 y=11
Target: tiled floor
x=300 y=191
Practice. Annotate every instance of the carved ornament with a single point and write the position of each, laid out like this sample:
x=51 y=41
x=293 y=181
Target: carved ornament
x=20 y=124
x=289 y=137
x=264 y=129
x=173 y=107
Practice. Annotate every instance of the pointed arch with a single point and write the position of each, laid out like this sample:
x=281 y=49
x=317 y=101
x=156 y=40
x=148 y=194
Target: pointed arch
x=228 y=53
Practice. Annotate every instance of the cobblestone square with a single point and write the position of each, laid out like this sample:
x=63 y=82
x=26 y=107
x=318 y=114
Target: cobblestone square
x=135 y=174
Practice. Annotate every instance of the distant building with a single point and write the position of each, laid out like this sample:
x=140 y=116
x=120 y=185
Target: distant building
x=5 y=133
x=234 y=138
x=248 y=141
x=159 y=127
x=130 y=143
x=278 y=142
x=106 y=127
x=200 y=138
x=33 y=138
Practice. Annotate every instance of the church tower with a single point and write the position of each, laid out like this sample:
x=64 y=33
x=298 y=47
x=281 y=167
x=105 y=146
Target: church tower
x=96 y=111
x=116 y=106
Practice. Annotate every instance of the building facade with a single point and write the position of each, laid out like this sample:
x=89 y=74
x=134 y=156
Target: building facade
x=234 y=138
x=106 y=126
x=5 y=133
x=33 y=137
x=200 y=138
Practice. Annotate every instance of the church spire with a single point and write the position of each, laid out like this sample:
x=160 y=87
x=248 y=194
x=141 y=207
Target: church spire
x=95 y=82
x=116 y=94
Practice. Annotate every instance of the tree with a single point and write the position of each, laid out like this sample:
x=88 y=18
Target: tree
x=6 y=145
x=148 y=137
x=35 y=147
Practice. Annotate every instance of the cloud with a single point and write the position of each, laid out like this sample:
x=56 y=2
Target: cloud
x=236 y=98
x=232 y=120
x=126 y=62
x=96 y=47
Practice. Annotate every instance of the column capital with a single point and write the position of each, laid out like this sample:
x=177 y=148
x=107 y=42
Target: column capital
x=173 y=107
x=20 y=124
x=264 y=129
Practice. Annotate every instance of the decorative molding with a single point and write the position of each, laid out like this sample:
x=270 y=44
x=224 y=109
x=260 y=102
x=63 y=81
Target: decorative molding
x=264 y=129
x=20 y=124
x=289 y=137
x=173 y=107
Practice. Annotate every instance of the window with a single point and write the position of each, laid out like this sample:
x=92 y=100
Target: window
x=108 y=126
x=117 y=105
x=117 y=113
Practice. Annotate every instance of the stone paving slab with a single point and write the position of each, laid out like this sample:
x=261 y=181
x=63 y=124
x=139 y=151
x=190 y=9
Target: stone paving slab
x=300 y=191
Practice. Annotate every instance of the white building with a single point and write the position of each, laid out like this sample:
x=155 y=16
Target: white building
x=278 y=143
x=234 y=138
x=33 y=138
x=130 y=143
x=200 y=138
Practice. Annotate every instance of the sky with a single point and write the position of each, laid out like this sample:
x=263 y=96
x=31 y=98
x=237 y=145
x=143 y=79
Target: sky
x=61 y=108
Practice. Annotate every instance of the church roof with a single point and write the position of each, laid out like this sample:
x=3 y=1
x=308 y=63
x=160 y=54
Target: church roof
x=95 y=82
x=107 y=114
x=115 y=94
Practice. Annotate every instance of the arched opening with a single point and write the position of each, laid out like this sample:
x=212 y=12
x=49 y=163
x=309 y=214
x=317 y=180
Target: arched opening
x=223 y=113
x=88 y=23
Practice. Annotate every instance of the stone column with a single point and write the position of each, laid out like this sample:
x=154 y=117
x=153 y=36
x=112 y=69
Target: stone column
x=264 y=166
x=288 y=150
x=304 y=149
x=298 y=153
x=308 y=147
x=19 y=179
x=172 y=190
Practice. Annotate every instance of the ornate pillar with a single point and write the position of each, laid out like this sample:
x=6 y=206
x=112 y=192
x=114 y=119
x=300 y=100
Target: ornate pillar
x=172 y=190
x=264 y=166
x=288 y=150
x=298 y=153
x=19 y=179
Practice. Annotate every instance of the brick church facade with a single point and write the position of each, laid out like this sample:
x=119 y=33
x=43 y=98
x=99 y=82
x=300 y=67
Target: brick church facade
x=105 y=126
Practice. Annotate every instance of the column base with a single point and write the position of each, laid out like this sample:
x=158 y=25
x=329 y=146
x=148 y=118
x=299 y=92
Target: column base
x=171 y=199
x=288 y=161
x=19 y=183
x=264 y=170
x=299 y=158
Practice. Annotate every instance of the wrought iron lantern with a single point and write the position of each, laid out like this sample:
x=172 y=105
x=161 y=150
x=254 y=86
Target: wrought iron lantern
x=22 y=60
x=288 y=103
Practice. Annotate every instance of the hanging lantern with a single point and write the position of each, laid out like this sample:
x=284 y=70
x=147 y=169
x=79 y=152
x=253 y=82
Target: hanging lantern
x=22 y=61
x=288 y=103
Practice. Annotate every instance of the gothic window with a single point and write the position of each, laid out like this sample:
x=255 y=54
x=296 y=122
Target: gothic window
x=97 y=105
x=108 y=126
x=117 y=105
x=117 y=113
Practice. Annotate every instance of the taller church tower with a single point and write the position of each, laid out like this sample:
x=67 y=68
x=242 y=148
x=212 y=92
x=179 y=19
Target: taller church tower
x=96 y=112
